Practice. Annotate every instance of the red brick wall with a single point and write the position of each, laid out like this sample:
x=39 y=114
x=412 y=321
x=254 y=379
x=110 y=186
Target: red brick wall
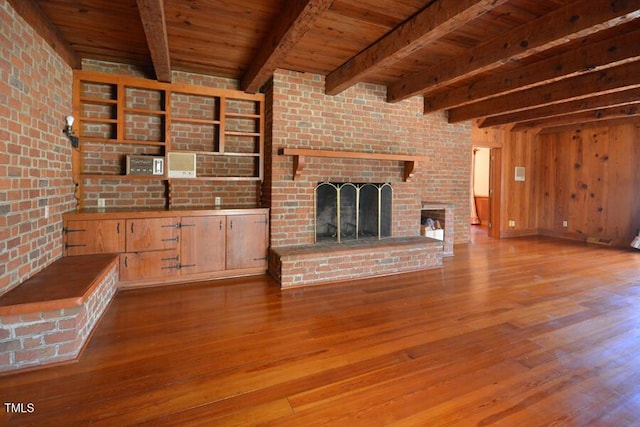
x=359 y=120
x=35 y=157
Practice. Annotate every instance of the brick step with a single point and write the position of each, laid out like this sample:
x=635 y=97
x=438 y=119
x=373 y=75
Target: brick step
x=49 y=317
x=294 y=266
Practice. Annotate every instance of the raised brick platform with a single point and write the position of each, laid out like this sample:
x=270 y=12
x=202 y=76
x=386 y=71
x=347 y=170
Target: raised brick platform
x=49 y=318
x=294 y=266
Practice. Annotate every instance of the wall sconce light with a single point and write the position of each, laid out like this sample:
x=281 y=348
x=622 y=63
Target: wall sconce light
x=68 y=130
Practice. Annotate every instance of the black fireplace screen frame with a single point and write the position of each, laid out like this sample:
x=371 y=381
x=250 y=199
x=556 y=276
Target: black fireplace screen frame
x=352 y=211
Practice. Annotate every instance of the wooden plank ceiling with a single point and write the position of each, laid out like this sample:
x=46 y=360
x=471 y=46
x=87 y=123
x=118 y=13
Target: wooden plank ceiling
x=536 y=65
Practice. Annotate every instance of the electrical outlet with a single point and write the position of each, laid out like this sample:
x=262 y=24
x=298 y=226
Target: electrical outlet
x=218 y=201
x=46 y=212
x=512 y=223
x=565 y=223
x=101 y=203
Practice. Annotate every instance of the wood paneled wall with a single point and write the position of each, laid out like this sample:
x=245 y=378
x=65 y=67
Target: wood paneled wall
x=517 y=197
x=589 y=177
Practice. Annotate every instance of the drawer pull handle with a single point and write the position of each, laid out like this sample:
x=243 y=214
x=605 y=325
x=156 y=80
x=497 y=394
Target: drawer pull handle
x=73 y=230
x=176 y=225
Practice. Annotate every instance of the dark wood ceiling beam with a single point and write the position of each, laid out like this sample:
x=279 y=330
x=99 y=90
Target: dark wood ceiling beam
x=155 y=29
x=614 y=51
x=31 y=12
x=575 y=20
x=430 y=24
x=617 y=112
x=609 y=80
x=585 y=104
x=294 y=21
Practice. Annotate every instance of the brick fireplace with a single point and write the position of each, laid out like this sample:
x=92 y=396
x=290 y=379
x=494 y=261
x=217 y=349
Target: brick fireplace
x=301 y=116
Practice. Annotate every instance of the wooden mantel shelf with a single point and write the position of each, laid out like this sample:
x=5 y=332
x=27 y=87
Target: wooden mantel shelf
x=299 y=155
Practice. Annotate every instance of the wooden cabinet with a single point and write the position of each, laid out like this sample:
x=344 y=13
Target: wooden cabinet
x=203 y=244
x=148 y=234
x=223 y=243
x=149 y=265
x=151 y=248
x=94 y=237
x=247 y=241
x=163 y=247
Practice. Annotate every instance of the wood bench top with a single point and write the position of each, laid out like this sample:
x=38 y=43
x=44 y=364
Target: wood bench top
x=65 y=283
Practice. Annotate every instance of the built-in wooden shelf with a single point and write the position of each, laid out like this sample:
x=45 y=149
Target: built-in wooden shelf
x=88 y=176
x=299 y=154
x=123 y=177
x=243 y=115
x=163 y=118
x=218 y=153
x=221 y=178
x=144 y=111
x=194 y=120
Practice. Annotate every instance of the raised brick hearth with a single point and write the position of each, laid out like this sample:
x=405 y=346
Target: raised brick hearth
x=305 y=265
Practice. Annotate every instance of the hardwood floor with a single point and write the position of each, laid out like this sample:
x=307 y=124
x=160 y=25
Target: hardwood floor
x=517 y=332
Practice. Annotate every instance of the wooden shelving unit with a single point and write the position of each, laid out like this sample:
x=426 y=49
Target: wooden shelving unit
x=139 y=116
x=299 y=155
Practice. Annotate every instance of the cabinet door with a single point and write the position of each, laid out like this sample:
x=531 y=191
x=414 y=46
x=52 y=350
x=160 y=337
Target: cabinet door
x=147 y=265
x=247 y=241
x=202 y=245
x=149 y=234
x=94 y=237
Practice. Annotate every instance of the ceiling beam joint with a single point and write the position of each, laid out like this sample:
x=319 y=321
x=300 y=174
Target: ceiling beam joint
x=293 y=23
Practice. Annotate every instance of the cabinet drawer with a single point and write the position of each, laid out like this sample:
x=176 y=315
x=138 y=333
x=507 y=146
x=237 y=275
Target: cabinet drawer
x=145 y=265
x=150 y=234
x=94 y=237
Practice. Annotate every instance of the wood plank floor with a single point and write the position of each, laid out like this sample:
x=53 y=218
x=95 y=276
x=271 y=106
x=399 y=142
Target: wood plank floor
x=518 y=332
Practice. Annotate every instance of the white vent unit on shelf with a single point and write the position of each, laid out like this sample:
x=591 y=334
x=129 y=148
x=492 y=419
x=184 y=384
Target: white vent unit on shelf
x=181 y=165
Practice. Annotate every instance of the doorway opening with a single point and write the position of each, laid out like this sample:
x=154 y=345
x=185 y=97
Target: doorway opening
x=485 y=191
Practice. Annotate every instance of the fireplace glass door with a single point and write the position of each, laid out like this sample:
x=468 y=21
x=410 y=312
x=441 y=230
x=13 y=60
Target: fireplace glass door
x=349 y=211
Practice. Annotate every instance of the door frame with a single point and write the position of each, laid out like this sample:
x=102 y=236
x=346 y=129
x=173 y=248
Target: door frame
x=495 y=191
